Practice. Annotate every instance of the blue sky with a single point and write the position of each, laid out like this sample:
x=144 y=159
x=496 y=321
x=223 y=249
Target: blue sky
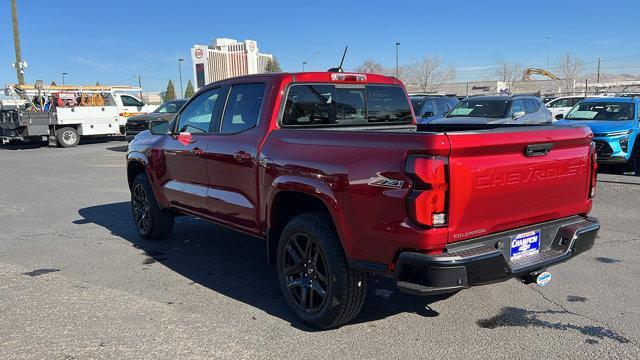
x=110 y=41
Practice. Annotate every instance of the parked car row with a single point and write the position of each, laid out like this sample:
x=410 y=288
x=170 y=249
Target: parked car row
x=499 y=109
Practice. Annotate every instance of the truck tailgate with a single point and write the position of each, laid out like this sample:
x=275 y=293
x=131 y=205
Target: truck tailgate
x=497 y=185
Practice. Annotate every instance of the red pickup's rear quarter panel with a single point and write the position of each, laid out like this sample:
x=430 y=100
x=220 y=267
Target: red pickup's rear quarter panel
x=371 y=219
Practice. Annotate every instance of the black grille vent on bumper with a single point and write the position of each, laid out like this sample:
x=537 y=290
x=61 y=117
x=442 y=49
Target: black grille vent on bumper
x=603 y=149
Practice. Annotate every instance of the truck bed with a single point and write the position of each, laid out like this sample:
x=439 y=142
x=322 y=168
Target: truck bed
x=493 y=185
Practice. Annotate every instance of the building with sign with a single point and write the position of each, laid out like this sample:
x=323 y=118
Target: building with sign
x=226 y=58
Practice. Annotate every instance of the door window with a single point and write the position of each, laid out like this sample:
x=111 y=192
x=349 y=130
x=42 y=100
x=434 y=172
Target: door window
x=561 y=103
x=530 y=106
x=130 y=101
x=196 y=117
x=517 y=106
x=243 y=108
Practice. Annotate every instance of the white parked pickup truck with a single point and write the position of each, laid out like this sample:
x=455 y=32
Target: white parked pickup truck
x=62 y=115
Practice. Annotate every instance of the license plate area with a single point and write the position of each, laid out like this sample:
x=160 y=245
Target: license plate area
x=524 y=244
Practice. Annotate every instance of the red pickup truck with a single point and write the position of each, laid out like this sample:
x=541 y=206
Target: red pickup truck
x=331 y=170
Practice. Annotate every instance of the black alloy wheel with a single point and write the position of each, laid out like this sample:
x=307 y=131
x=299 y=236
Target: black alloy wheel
x=306 y=272
x=140 y=207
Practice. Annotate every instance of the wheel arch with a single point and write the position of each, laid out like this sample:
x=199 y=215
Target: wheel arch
x=290 y=196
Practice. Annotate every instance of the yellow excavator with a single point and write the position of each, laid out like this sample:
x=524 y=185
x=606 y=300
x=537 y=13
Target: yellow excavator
x=535 y=71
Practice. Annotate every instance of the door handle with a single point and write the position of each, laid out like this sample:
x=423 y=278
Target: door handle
x=538 y=149
x=242 y=156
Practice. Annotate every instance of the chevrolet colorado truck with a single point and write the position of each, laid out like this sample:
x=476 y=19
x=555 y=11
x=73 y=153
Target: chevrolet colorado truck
x=331 y=170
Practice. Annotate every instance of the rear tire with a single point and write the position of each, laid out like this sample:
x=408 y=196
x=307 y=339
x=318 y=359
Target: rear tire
x=316 y=281
x=67 y=137
x=152 y=222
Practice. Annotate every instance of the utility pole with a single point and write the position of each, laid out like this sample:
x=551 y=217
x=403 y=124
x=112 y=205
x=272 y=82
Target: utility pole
x=180 y=70
x=548 y=53
x=598 y=77
x=16 y=43
x=397 y=66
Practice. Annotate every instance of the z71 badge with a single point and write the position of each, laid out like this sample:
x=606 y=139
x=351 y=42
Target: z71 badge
x=384 y=182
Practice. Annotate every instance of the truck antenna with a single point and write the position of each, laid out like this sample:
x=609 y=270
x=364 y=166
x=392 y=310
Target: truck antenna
x=339 y=68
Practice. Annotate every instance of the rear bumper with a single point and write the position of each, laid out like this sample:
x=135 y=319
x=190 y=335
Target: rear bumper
x=486 y=260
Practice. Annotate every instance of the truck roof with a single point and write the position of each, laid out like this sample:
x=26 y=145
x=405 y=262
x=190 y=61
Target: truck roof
x=610 y=99
x=322 y=77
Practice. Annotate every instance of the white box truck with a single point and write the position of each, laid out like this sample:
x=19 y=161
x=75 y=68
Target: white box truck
x=62 y=115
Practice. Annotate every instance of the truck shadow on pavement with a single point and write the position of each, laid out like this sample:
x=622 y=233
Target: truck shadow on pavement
x=235 y=265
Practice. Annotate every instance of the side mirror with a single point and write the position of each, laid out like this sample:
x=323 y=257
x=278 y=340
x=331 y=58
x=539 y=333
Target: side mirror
x=159 y=127
x=428 y=114
x=559 y=116
x=518 y=114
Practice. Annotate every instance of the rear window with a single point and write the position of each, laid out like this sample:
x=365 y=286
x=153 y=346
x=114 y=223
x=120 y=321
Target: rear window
x=328 y=105
x=487 y=108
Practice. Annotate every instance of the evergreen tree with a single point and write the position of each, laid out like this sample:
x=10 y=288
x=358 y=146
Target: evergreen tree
x=272 y=66
x=170 y=94
x=190 y=91
x=53 y=83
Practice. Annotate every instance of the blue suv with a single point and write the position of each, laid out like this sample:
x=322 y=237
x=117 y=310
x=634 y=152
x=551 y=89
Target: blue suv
x=614 y=123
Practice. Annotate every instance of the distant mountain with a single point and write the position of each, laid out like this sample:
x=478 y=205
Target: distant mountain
x=613 y=77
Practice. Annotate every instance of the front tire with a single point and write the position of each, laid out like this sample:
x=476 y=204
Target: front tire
x=316 y=281
x=152 y=222
x=67 y=137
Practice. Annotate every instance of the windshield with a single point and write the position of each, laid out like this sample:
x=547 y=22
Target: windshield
x=601 y=111
x=170 y=107
x=480 y=108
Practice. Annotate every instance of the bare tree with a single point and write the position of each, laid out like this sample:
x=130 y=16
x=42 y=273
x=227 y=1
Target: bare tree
x=428 y=73
x=569 y=69
x=509 y=73
x=372 y=67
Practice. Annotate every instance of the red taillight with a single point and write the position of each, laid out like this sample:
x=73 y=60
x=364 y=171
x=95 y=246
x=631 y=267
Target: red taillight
x=427 y=204
x=594 y=170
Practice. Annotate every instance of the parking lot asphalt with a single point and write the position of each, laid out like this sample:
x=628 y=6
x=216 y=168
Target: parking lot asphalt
x=76 y=282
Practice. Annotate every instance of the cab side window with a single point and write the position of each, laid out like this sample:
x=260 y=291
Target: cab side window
x=530 y=106
x=243 y=108
x=130 y=101
x=561 y=103
x=196 y=117
x=517 y=106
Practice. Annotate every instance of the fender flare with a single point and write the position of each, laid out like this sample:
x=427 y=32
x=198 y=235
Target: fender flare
x=141 y=159
x=308 y=186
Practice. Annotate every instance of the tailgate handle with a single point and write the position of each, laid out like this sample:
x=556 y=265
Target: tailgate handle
x=538 y=149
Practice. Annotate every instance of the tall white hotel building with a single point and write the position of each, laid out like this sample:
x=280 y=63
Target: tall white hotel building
x=226 y=58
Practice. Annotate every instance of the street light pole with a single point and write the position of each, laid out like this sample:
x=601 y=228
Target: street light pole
x=303 y=64
x=397 y=66
x=548 y=53
x=19 y=65
x=180 y=71
x=63 y=74
x=139 y=85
